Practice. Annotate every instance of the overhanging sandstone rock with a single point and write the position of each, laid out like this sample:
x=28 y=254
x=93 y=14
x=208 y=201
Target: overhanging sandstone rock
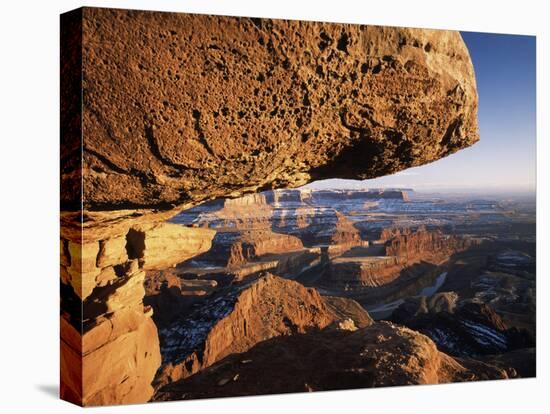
x=180 y=108
x=177 y=109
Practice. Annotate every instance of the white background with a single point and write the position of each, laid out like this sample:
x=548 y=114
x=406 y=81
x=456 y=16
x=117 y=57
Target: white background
x=29 y=148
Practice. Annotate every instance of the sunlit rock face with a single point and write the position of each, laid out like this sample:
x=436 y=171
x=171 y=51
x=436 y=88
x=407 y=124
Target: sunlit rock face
x=181 y=108
x=109 y=343
x=390 y=257
x=409 y=244
x=379 y=355
x=178 y=109
x=238 y=318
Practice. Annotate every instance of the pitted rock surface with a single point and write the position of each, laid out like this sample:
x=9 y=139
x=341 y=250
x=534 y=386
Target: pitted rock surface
x=179 y=108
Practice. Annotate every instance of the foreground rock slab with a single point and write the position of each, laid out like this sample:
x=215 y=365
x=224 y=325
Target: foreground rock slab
x=237 y=318
x=379 y=355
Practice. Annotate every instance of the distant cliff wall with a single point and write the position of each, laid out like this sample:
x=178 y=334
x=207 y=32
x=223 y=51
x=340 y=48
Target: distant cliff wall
x=162 y=111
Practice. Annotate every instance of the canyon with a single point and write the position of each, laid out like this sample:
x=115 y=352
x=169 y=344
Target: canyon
x=396 y=274
x=249 y=274
x=191 y=264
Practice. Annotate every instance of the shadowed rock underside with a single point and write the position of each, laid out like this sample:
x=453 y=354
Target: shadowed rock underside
x=179 y=108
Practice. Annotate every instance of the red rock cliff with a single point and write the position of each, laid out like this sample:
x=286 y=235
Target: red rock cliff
x=177 y=109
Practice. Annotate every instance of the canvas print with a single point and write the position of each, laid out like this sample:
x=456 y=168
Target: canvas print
x=256 y=206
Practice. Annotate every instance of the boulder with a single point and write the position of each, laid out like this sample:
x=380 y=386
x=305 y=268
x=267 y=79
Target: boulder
x=181 y=108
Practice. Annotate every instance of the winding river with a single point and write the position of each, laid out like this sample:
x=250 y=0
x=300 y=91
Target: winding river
x=382 y=311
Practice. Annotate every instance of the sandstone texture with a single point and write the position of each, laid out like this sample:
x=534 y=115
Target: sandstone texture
x=382 y=354
x=111 y=351
x=180 y=108
x=235 y=320
x=408 y=243
x=92 y=264
x=112 y=252
x=109 y=343
x=124 y=341
x=166 y=244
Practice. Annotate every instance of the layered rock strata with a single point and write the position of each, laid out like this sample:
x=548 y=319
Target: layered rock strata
x=104 y=322
x=363 y=271
x=385 y=261
x=233 y=249
x=163 y=111
x=409 y=244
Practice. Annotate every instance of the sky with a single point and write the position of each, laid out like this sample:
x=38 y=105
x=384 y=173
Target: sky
x=505 y=156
